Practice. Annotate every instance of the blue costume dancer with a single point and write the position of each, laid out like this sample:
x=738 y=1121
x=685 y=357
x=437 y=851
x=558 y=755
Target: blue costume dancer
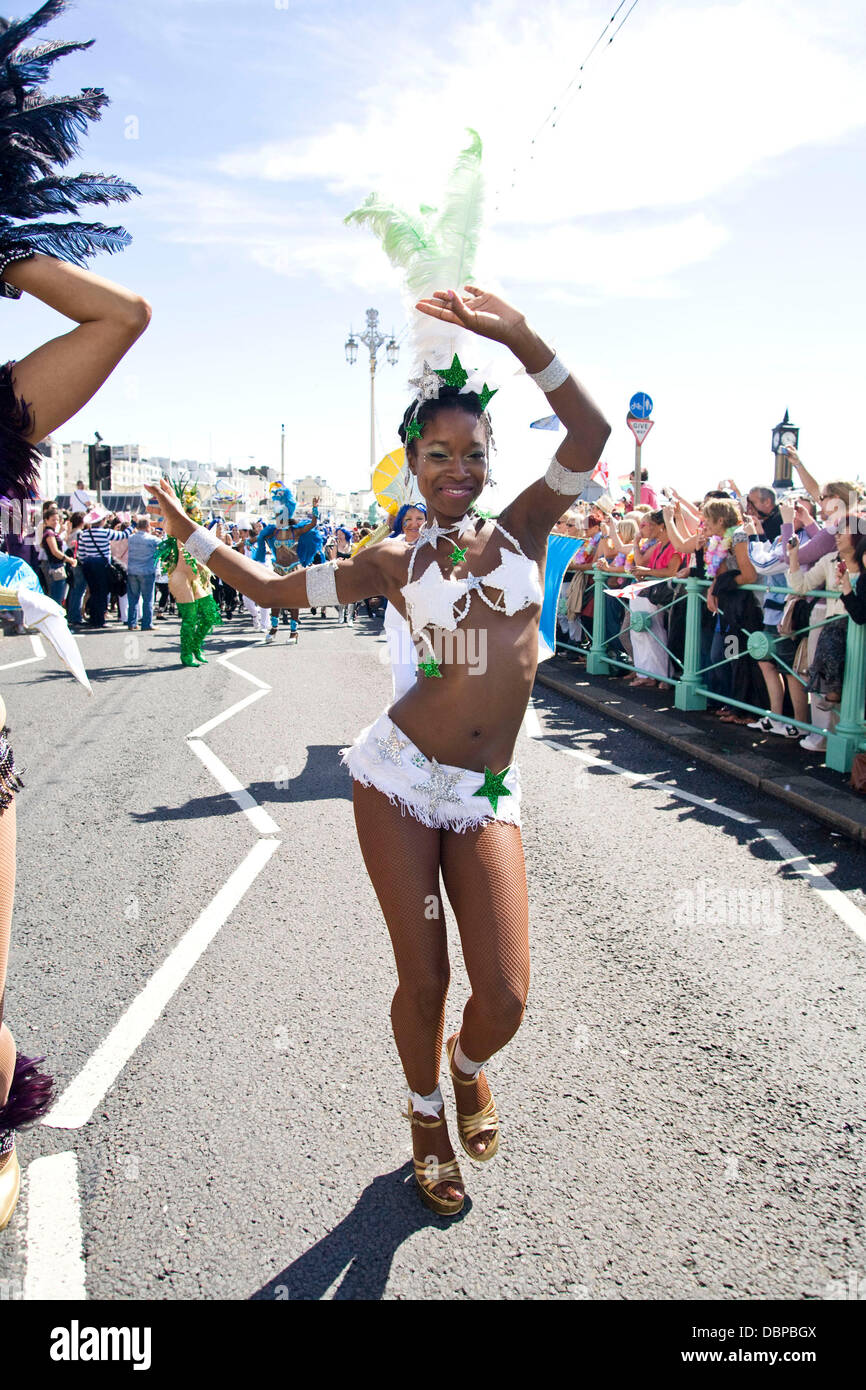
x=284 y=540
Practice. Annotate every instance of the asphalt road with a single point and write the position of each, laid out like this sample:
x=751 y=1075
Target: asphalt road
x=682 y=1110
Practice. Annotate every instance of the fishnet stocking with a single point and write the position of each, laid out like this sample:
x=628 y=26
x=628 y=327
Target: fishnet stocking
x=7 y=898
x=485 y=878
x=402 y=858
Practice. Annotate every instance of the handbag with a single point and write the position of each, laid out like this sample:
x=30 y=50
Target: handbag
x=660 y=594
x=117 y=580
x=56 y=572
x=795 y=615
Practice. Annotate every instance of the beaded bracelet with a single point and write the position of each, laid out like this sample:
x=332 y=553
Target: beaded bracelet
x=200 y=545
x=7 y=258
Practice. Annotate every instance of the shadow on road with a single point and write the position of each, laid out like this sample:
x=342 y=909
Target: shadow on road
x=323 y=779
x=570 y=724
x=363 y=1244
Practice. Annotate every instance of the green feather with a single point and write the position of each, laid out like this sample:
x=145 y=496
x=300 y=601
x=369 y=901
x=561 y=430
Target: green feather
x=402 y=237
x=459 y=225
x=433 y=255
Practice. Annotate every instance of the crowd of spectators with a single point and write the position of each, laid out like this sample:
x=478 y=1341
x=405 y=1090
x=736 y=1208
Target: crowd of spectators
x=791 y=565
x=102 y=566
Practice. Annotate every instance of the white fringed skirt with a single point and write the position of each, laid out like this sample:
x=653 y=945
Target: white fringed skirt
x=437 y=794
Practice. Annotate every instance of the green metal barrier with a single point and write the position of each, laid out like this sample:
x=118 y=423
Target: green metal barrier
x=691 y=692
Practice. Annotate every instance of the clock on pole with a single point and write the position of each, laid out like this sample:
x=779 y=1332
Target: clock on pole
x=785 y=437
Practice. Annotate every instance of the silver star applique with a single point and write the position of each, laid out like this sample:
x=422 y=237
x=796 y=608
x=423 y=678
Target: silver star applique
x=440 y=787
x=431 y=600
x=518 y=579
x=391 y=747
x=427 y=384
x=432 y=534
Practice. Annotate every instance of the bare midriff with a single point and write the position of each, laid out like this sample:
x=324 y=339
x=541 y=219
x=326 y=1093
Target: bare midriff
x=286 y=553
x=471 y=716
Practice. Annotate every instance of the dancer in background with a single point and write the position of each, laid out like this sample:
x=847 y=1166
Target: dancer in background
x=190 y=583
x=283 y=538
x=41 y=391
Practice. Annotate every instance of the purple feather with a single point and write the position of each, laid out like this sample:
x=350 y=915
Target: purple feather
x=30 y=1094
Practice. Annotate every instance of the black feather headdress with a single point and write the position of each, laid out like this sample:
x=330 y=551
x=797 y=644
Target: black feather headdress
x=39 y=134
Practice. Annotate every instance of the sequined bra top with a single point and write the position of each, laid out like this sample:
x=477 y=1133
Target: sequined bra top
x=437 y=601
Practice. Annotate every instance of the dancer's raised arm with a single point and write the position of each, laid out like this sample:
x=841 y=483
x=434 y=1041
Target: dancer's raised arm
x=540 y=505
x=374 y=570
x=57 y=379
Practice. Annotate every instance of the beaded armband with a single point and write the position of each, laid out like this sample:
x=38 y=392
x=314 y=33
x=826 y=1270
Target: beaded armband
x=565 y=480
x=322 y=585
x=553 y=375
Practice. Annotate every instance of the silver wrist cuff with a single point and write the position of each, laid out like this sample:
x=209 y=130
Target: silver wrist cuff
x=200 y=545
x=565 y=480
x=322 y=585
x=553 y=375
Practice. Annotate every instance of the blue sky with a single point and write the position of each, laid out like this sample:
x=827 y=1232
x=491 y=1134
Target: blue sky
x=691 y=225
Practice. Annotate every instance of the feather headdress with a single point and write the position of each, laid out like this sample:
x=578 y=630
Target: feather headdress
x=435 y=249
x=40 y=133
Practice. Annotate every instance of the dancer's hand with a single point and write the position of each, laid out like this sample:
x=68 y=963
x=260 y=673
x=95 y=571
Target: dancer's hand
x=177 y=523
x=481 y=313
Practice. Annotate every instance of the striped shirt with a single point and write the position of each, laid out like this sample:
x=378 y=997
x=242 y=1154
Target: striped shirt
x=94 y=542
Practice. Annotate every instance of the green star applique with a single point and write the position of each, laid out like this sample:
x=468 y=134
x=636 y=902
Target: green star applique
x=494 y=786
x=457 y=556
x=487 y=395
x=455 y=375
x=430 y=668
x=413 y=430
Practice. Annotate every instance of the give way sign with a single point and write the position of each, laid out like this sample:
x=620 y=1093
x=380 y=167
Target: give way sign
x=639 y=428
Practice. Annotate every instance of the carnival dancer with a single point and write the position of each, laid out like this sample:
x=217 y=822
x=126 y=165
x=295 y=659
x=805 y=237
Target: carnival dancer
x=283 y=538
x=189 y=582
x=41 y=391
x=435 y=787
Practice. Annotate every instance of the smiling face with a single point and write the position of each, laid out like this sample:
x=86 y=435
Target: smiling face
x=450 y=461
x=412 y=523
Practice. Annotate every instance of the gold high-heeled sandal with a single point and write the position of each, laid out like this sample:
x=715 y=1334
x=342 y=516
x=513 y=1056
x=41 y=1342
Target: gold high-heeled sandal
x=429 y=1173
x=469 y=1126
x=10 y=1183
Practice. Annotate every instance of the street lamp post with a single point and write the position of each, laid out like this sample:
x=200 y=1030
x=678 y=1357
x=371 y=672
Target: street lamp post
x=785 y=435
x=372 y=340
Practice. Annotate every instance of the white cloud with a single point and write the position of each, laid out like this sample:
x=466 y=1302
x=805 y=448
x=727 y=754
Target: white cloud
x=689 y=99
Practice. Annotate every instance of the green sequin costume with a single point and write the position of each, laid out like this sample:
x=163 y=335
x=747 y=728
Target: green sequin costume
x=198 y=618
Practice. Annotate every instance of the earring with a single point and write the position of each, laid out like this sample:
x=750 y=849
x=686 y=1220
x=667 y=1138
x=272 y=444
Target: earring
x=491 y=481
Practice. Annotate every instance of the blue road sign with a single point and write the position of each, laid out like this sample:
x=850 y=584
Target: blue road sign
x=641 y=405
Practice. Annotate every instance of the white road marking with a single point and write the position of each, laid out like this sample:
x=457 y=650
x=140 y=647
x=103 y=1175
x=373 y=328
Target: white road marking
x=55 y=1245
x=239 y=671
x=532 y=723
x=645 y=778
x=39 y=654
x=81 y=1097
x=836 y=900
x=229 y=783
x=227 y=713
